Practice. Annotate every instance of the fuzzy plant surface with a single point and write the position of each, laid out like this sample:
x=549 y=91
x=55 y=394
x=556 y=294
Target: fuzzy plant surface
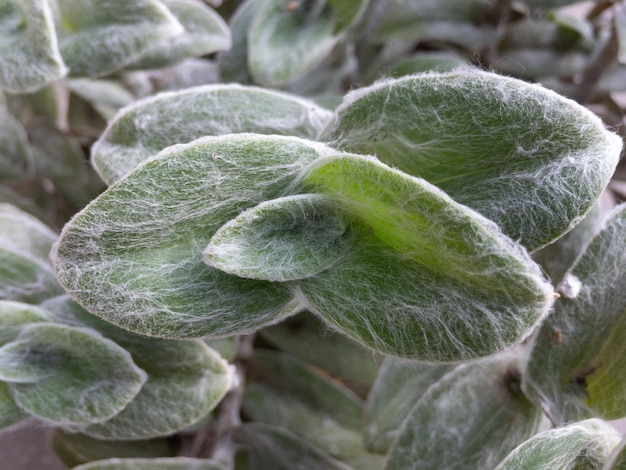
x=314 y=234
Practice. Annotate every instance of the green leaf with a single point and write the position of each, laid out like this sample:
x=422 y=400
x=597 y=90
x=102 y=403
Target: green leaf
x=29 y=52
x=425 y=62
x=15 y=315
x=471 y=418
x=267 y=447
x=282 y=240
x=134 y=255
x=205 y=33
x=479 y=291
x=234 y=62
x=617 y=458
x=10 y=413
x=307 y=338
x=186 y=379
x=76 y=449
x=398 y=387
x=284 y=392
x=576 y=369
x=15 y=156
x=583 y=445
x=69 y=375
x=99 y=37
x=284 y=42
x=106 y=96
x=25 y=278
x=165 y=463
x=24 y=233
x=148 y=126
x=521 y=155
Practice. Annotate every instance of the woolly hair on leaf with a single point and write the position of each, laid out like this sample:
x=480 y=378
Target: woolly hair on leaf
x=16 y=315
x=585 y=444
x=29 y=50
x=10 y=413
x=426 y=278
x=576 y=369
x=134 y=255
x=147 y=126
x=24 y=232
x=162 y=463
x=530 y=160
x=472 y=417
x=282 y=240
x=68 y=375
x=97 y=40
x=186 y=379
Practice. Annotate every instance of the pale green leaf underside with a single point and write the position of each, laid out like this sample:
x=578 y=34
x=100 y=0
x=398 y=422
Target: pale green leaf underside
x=29 y=53
x=284 y=43
x=186 y=379
x=134 y=255
x=479 y=291
x=398 y=387
x=148 y=126
x=276 y=448
x=15 y=155
x=100 y=37
x=285 y=392
x=471 y=418
x=577 y=367
x=281 y=240
x=205 y=33
x=15 y=315
x=21 y=231
x=521 y=155
x=582 y=445
x=69 y=375
x=164 y=463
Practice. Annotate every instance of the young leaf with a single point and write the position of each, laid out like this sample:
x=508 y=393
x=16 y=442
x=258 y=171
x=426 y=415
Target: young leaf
x=29 y=52
x=471 y=418
x=576 y=368
x=479 y=291
x=97 y=38
x=186 y=379
x=148 y=126
x=521 y=155
x=15 y=155
x=585 y=444
x=205 y=33
x=267 y=447
x=134 y=255
x=285 y=43
x=22 y=232
x=398 y=387
x=282 y=240
x=15 y=315
x=284 y=392
x=69 y=375
x=164 y=463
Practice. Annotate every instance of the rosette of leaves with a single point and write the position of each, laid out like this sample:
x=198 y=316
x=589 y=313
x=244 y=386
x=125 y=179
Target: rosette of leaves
x=225 y=234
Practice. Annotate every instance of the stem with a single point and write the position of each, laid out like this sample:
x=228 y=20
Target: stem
x=214 y=441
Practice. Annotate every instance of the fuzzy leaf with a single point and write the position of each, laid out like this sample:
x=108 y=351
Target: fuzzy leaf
x=22 y=232
x=617 y=458
x=585 y=444
x=29 y=52
x=577 y=367
x=234 y=62
x=284 y=392
x=15 y=156
x=148 y=126
x=282 y=240
x=162 y=288
x=479 y=291
x=285 y=43
x=164 y=463
x=471 y=418
x=276 y=448
x=205 y=33
x=25 y=278
x=99 y=37
x=69 y=375
x=521 y=155
x=397 y=389
x=10 y=413
x=15 y=315
x=186 y=379
x=307 y=338
x=76 y=449
x=106 y=96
